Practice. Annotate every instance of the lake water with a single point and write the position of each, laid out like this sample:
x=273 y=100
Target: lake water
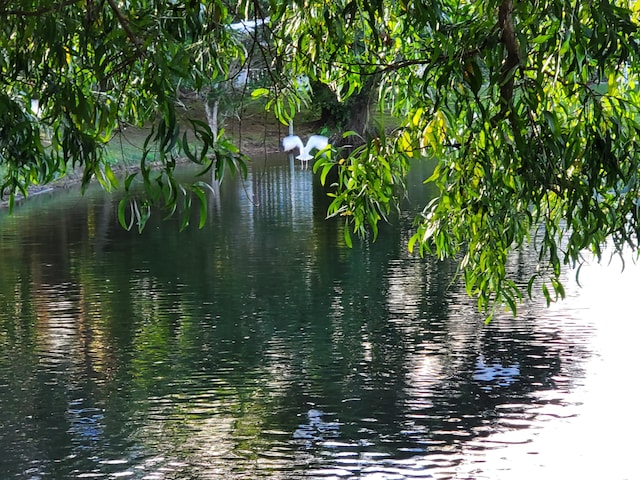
x=262 y=347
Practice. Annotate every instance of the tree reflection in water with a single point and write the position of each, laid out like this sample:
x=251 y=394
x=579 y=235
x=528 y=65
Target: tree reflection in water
x=259 y=346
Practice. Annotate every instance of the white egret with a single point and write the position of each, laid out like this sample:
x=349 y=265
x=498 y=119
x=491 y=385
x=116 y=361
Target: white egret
x=315 y=142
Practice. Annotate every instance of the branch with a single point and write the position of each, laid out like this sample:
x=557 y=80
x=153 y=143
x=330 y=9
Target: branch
x=508 y=38
x=124 y=23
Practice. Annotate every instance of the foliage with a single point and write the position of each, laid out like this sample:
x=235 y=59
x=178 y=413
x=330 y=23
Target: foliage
x=73 y=72
x=530 y=108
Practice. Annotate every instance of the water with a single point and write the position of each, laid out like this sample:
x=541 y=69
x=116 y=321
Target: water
x=262 y=347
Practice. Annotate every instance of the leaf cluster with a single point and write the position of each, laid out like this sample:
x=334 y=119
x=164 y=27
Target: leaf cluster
x=369 y=179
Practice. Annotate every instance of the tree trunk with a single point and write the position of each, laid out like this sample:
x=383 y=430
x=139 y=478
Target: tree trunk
x=211 y=107
x=359 y=114
x=354 y=114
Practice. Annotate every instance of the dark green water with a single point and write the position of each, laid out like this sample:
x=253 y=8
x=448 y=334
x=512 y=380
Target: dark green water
x=262 y=347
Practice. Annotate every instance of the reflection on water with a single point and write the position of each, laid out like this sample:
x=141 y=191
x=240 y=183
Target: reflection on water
x=262 y=347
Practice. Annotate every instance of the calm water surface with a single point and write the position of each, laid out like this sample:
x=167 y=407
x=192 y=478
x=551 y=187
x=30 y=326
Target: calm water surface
x=262 y=347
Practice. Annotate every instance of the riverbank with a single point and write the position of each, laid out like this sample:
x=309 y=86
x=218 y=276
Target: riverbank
x=257 y=134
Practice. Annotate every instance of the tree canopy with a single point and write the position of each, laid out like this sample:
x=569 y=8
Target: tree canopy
x=530 y=109
x=73 y=72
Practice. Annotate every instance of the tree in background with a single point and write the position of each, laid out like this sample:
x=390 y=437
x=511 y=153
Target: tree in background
x=530 y=109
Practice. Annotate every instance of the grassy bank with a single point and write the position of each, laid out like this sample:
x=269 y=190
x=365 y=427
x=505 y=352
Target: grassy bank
x=255 y=131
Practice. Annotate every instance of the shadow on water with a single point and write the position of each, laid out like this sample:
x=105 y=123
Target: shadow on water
x=259 y=346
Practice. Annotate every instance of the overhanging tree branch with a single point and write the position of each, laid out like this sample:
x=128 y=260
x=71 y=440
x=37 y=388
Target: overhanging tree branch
x=124 y=23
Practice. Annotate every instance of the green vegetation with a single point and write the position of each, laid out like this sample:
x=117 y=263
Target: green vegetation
x=530 y=109
x=73 y=73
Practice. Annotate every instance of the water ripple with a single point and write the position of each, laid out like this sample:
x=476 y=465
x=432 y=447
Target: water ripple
x=268 y=350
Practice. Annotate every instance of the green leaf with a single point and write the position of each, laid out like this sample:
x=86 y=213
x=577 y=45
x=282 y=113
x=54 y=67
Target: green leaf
x=122 y=206
x=511 y=302
x=347 y=235
x=260 y=92
x=326 y=168
x=113 y=180
x=202 y=207
x=547 y=295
